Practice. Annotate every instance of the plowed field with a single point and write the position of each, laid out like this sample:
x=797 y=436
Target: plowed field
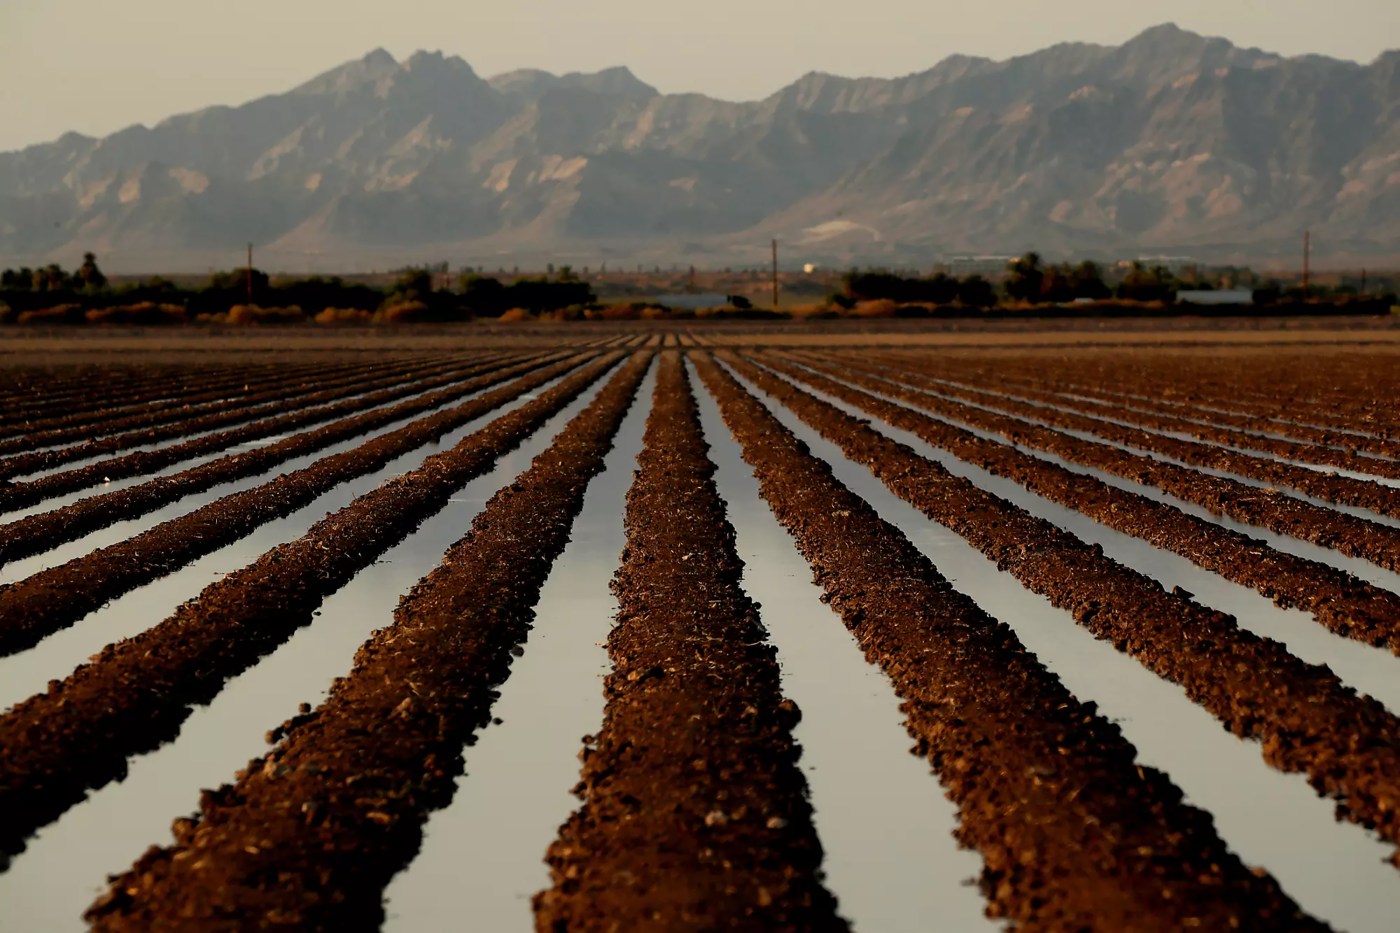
x=630 y=630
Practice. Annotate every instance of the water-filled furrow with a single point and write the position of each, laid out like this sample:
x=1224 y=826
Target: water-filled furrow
x=66 y=863
x=1336 y=871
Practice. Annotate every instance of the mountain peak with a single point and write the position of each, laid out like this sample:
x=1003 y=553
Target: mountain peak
x=379 y=58
x=1166 y=30
x=1076 y=148
x=533 y=83
x=1169 y=38
x=370 y=70
x=618 y=79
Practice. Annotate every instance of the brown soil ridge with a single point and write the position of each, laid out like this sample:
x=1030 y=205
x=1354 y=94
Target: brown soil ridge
x=694 y=814
x=1213 y=411
x=34 y=534
x=263 y=412
x=1338 y=600
x=25 y=383
x=1265 y=508
x=309 y=835
x=1238 y=461
x=1191 y=386
x=25 y=493
x=1305 y=718
x=134 y=695
x=83 y=425
x=1013 y=748
x=1186 y=387
x=53 y=599
x=1313 y=450
x=1340 y=490
x=45 y=403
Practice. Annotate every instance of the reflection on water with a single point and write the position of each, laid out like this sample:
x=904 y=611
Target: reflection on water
x=1370 y=670
x=49 y=885
x=136 y=525
x=1270 y=819
x=483 y=855
x=884 y=823
x=28 y=673
x=1083 y=435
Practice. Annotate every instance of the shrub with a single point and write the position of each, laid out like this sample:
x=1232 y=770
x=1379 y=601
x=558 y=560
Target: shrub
x=561 y=315
x=619 y=313
x=816 y=312
x=517 y=314
x=343 y=316
x=415 y=312
x=62 y=314
x=883 y=307
x=252 y=314
x=145 y=313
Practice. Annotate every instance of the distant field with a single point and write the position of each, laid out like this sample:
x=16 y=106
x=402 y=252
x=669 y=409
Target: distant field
x=321 y=628
x=36 y=346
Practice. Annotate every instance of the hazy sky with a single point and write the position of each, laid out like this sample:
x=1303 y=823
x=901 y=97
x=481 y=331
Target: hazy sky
x=96 y=66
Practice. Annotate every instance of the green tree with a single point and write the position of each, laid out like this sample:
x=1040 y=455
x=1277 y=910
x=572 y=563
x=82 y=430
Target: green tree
x=90 y=275
x=237 y=280
x=483 y=295
x=412 y=285
x=976 y=292
x=1144 y=284
x=51 y=278
x=1027 y=279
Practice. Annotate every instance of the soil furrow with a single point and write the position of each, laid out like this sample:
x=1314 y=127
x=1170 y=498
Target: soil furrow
x=1307 y=452
x=309 y=836
x=84 y=425
x=56 y=598
x=35 y=534
x=694 y=814
x=1338 y=600
x=1305 y=718
x=1340 y=490
x=263 y=411
x=1244 y=420
x=25 y=493
x=1193 y=382
x=39 y=405
x=134 y=695
x=1252 y=505
x=1074 y=834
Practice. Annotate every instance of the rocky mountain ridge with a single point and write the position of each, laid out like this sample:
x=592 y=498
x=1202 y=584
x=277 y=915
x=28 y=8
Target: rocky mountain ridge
x=1170 y=143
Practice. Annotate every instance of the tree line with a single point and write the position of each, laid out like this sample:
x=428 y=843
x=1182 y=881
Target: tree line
x=415 y=294
x=1032 y=281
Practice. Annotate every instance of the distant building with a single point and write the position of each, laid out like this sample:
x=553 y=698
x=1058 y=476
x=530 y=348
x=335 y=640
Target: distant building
x=692 y=301
x=1224 y=296
x=962 y=266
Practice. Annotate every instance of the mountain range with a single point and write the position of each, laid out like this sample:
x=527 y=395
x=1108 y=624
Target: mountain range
x=1171 y=143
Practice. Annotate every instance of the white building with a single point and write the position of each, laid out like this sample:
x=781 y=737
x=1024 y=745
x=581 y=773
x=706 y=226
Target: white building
x=1224 y=296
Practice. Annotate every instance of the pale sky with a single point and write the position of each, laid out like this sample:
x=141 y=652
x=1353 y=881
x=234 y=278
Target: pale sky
x=96 y=66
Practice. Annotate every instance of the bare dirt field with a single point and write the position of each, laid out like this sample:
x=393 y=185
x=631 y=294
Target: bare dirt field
x=634 y=626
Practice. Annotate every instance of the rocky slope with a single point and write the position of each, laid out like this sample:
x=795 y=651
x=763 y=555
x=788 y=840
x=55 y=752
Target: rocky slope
x=1171 y=142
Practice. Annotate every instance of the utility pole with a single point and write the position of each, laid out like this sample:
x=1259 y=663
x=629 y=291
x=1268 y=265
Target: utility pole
x=250 y=273
x=775 y=274
x=1307 y=258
